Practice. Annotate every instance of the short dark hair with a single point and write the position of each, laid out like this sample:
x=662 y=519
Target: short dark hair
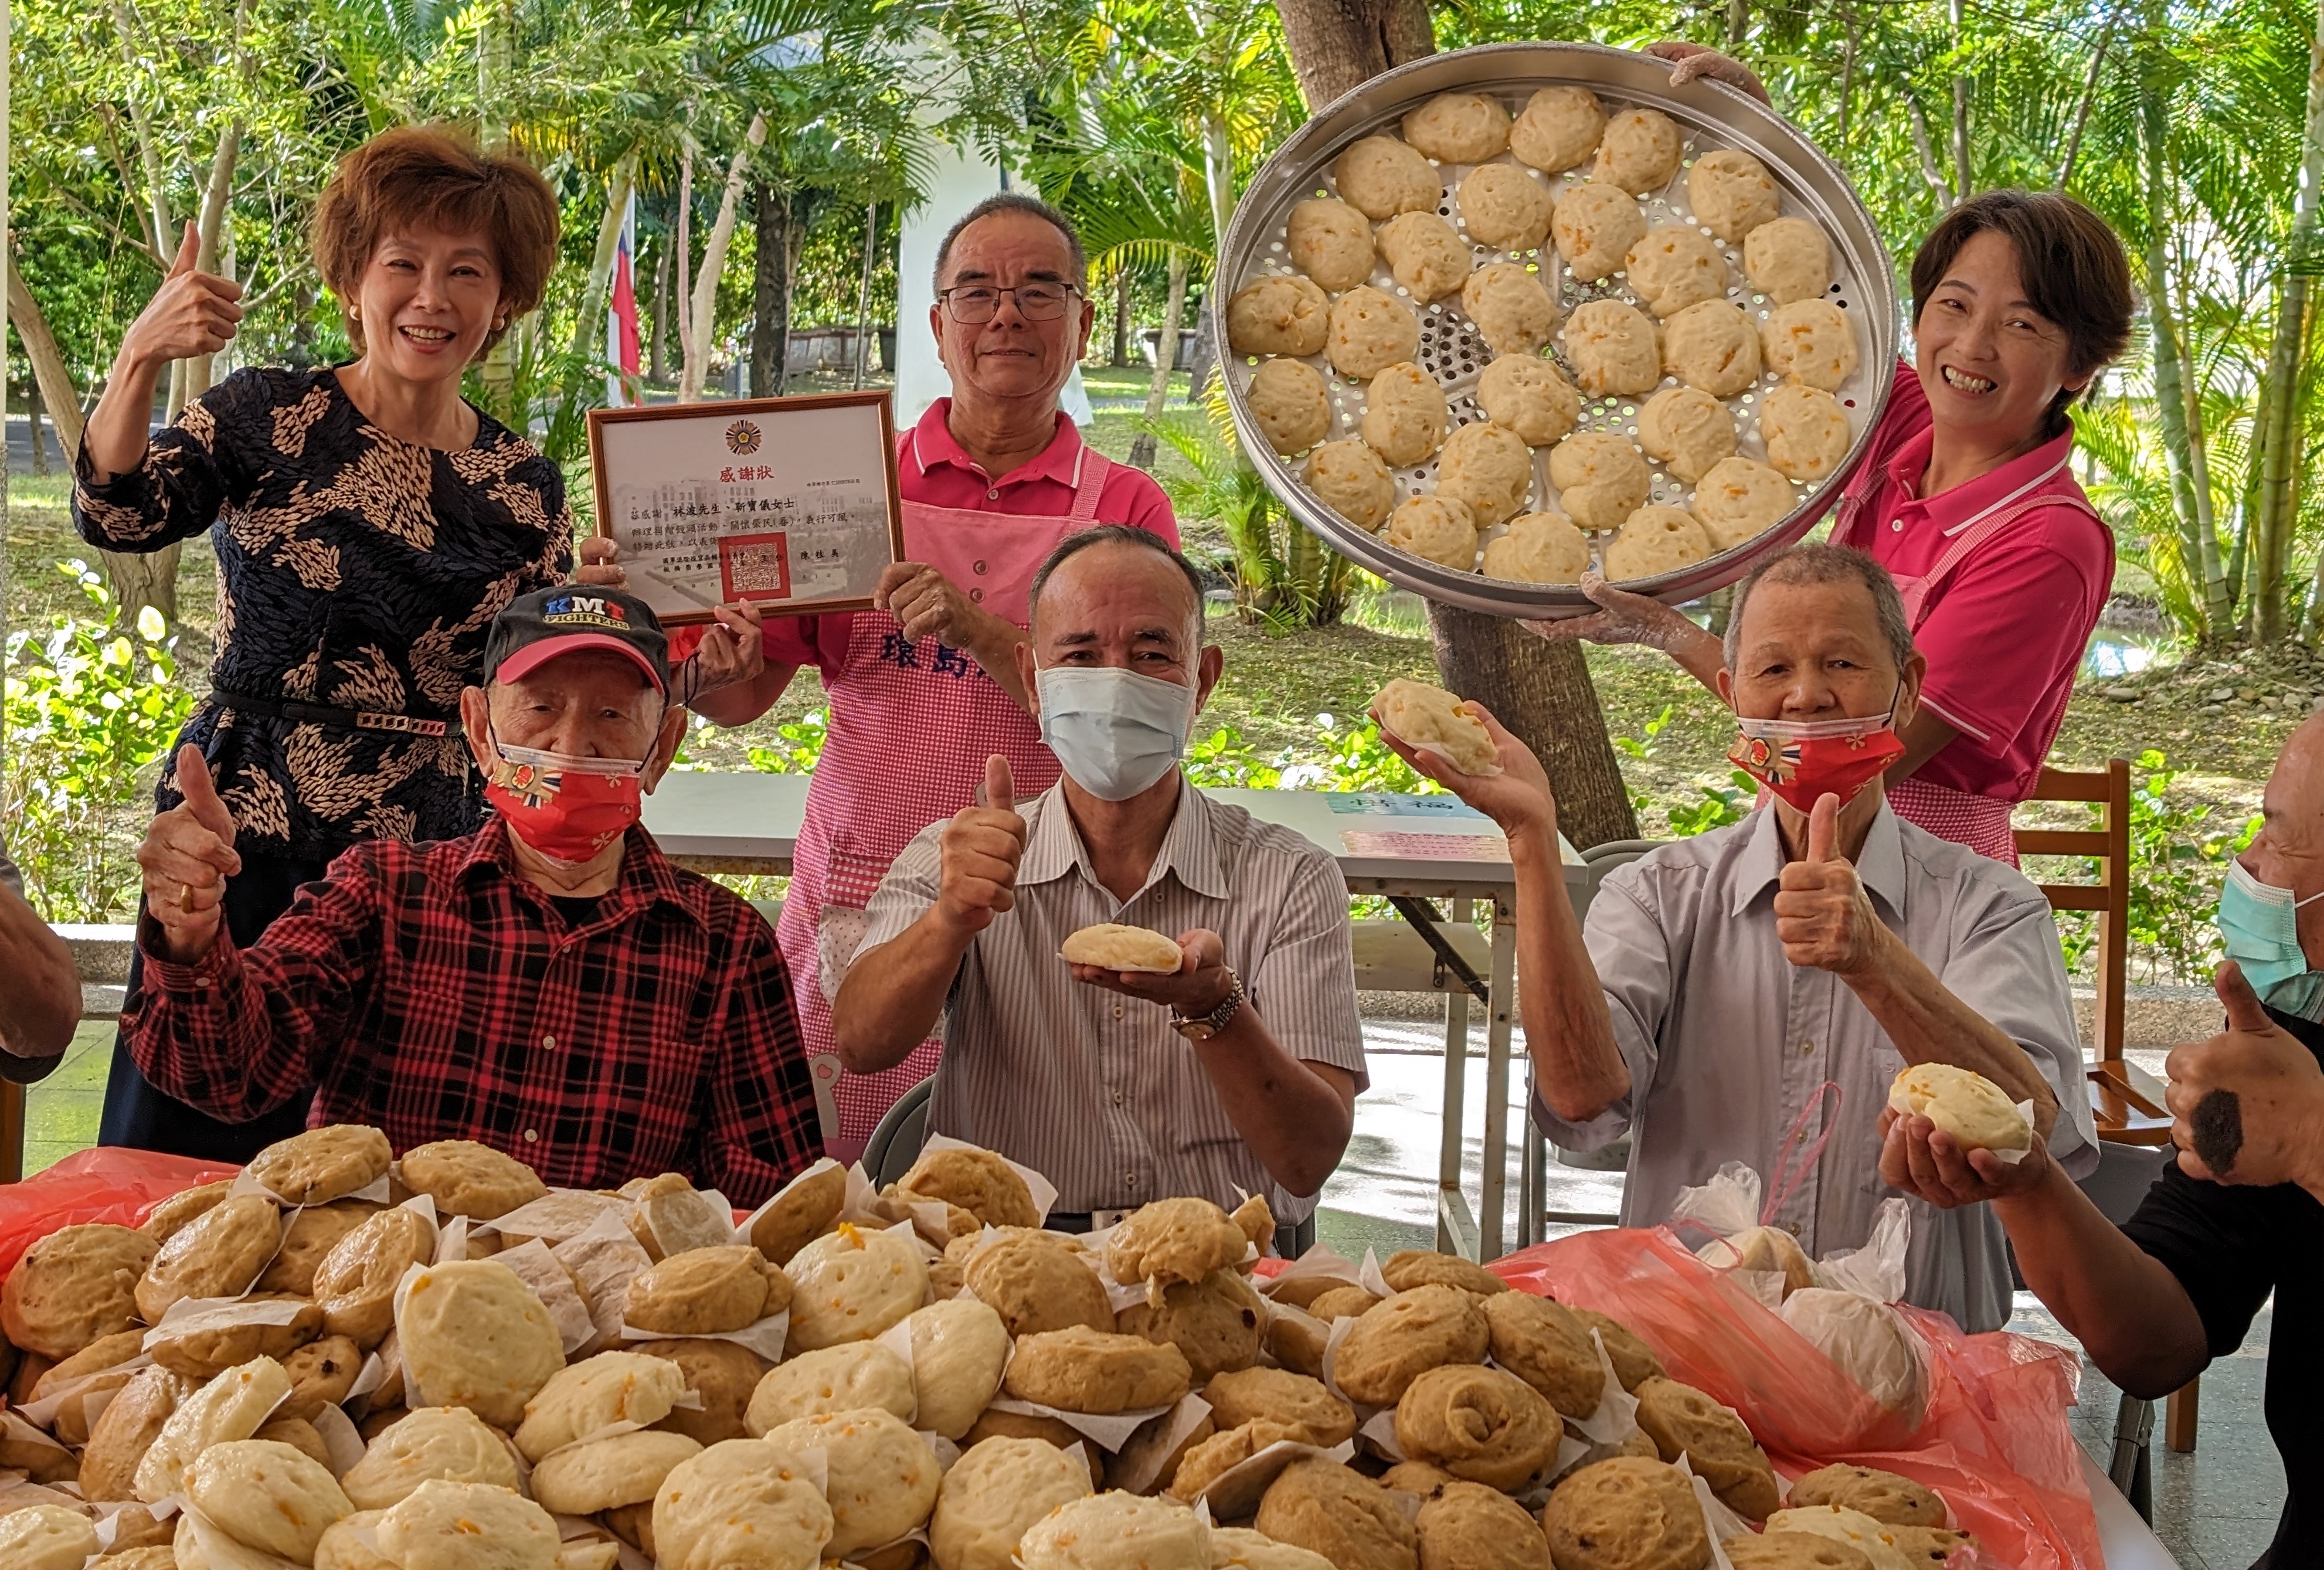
x=1818 y=563
x=432 y=177
x=1016 y=201
x=2073 y=266
x=1073 y=544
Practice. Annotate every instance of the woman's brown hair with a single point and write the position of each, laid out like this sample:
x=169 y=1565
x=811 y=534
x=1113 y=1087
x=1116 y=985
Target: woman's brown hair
x=2071 y=263
x=426 y=176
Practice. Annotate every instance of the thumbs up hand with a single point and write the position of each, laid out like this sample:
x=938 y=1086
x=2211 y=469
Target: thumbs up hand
x=188 y=855
x=980 y=849
x=1823 y=918
x=2248 y=1106
x=192 y=313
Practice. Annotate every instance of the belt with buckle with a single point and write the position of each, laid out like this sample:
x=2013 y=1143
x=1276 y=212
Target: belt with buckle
x=316 y=714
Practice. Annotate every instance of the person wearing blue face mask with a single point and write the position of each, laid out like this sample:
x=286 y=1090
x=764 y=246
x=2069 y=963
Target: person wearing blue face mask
x=2239 y=1216
x=1234 y=1072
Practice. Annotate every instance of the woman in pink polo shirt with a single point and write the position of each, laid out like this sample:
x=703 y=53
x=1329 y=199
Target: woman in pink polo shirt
x=2019 y=299
x=925 y=686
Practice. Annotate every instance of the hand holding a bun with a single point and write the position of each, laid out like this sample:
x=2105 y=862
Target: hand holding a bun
x=2248 y=1106
x=1927 y=1162
x=1518 y=798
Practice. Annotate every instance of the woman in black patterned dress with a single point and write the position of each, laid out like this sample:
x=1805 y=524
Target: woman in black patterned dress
x=369 y=523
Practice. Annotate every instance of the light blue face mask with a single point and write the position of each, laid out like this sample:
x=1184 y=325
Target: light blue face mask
x=1114 y=731
x=2260 y=925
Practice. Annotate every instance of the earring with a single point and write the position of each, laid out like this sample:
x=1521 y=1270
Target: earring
x=355 y=314
x=500 y=323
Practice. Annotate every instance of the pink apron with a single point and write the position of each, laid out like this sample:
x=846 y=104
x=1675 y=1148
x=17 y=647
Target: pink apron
x=911 y=726
x=1981 y=822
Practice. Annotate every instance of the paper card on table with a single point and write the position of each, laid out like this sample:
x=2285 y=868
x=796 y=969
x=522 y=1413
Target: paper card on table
x=1425 y=848
x=1384 y=804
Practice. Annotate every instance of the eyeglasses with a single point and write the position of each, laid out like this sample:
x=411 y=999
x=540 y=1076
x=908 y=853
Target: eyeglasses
x=972 y=305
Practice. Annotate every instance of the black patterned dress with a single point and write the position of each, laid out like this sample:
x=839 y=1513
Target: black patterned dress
x=358 y=575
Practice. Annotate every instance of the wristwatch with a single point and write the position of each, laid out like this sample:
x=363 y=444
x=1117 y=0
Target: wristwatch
x=1208 y=1025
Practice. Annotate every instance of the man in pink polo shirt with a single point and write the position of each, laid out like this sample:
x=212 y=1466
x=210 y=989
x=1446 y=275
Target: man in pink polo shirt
x=925 y=686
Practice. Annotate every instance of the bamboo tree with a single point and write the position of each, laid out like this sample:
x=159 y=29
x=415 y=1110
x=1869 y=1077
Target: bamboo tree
x=2275 y=454
x=2180 y=415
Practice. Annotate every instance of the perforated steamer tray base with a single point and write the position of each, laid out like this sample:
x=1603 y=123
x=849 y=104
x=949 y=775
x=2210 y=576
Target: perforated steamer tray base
x=1710 y=116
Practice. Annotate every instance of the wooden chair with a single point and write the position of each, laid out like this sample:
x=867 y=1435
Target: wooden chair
x=2126 y=1101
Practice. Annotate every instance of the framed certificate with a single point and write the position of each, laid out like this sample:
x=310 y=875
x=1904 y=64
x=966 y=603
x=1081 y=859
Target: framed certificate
x=789 y=503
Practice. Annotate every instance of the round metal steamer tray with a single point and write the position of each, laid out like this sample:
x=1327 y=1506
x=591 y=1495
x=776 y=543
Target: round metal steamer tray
x=1710 y=116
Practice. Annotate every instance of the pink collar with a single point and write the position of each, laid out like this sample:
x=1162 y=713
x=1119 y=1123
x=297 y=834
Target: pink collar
x=931 y=442
x=1969 y=503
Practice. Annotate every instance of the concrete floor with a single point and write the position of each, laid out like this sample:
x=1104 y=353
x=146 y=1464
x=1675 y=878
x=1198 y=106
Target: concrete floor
x=2215 y=1508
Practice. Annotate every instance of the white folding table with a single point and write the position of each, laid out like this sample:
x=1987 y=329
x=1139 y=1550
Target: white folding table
x=748 y=823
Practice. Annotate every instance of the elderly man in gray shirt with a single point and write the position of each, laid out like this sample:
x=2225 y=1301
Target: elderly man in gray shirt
x=1725 y=981
x=1233 y=1066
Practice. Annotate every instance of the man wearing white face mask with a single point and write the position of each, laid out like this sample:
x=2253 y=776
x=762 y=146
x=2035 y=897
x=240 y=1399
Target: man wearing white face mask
x=1240 y=1070
x=1728 y=984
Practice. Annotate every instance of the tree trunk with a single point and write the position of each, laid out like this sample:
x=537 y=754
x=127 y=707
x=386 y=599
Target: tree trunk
x=2270 y=522
x=684 y=276
x=1165 y=360
x=495 y=57
x=2179 y=410
x=1218 y=178
x=212 y=226
x=863 y=294
x=1919 y=124
x=1337 y=45
x=702 y=309
x=769 y=317
x=1540 y=691
x=657 y=361
x=302 y=326
x=1964 y=85
x=589 y=327
x=1121 y=316
x=136 y=581
x=1739 y=23
x=32 y=423
x=2083 y=110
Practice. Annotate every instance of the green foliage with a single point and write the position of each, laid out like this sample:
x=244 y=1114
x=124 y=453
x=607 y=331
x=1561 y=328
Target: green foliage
x=1285 y=578
x=2178 y=862
x=88 y=710
x=1720 y=805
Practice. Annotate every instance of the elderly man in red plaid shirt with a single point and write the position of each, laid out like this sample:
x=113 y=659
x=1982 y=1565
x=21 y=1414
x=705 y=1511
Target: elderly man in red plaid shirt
x=550 y=985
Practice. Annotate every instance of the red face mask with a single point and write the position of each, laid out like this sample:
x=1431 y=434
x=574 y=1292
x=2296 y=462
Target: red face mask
x=1804 y=761
x=567 y=808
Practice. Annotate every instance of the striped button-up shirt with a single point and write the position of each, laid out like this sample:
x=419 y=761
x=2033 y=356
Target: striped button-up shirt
x=1093 y=1088
x=1728 y=1043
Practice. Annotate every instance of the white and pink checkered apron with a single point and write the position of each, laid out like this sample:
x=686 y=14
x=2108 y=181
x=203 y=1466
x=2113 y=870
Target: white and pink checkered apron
x=1979 y=822
x=911 y=726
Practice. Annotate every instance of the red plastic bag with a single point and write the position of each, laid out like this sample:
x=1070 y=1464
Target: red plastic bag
x=1994 y=1441
x=108 y=1183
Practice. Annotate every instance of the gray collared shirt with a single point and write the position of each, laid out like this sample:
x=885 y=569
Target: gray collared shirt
x=1093 y=1088
x=1728 y=1042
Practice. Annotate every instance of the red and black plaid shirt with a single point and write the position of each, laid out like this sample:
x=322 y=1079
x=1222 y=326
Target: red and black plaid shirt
x=431 y=990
